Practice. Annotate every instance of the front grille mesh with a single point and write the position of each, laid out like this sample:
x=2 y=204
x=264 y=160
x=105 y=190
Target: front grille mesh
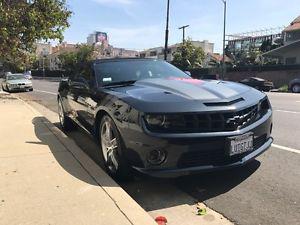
x=215 y=155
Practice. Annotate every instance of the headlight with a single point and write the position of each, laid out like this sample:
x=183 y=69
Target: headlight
x=165 y=122
x=155 y=120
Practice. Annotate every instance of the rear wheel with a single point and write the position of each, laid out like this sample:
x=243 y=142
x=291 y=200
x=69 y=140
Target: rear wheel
x=65 y=122
x=296 y=88
x=112 y=150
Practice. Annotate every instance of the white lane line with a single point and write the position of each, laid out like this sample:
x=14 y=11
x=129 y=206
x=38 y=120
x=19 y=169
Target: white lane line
x=286 y=111
x=286 y=148
x=298 y=101
x=47 y=92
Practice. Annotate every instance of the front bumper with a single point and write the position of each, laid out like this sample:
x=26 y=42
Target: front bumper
x=208 y=168
x=193 y=152
x=20 y=88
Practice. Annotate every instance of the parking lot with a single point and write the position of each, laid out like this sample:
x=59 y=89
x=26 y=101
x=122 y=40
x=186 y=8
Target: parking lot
x=266 y=191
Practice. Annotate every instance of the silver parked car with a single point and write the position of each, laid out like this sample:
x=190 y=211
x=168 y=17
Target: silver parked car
x=16 y=82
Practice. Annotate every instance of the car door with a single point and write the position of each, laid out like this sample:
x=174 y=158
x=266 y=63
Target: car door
x=82 y=88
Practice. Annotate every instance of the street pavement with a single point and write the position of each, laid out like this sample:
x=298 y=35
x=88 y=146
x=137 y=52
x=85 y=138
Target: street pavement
x=46 y=179
x=266 y=191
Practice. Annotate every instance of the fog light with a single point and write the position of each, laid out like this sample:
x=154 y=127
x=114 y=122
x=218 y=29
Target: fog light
x=156 y=157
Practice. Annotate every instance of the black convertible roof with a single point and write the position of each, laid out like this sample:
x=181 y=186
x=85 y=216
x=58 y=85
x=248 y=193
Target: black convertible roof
x=124 y=59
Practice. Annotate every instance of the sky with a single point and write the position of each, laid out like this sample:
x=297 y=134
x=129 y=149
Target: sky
x=140 y=24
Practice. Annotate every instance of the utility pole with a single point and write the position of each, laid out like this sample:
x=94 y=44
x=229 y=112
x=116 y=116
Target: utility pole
x=224 y=36
x=167 y=30
x=183 y=32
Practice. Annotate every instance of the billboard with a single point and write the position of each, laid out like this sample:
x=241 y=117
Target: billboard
x=101 y=37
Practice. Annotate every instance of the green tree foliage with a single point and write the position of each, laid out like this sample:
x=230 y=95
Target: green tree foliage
x=77 y=61
x=188 y=56
x=23 y=22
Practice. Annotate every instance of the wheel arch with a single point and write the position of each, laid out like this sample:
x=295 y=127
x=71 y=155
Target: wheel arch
x=98 y=118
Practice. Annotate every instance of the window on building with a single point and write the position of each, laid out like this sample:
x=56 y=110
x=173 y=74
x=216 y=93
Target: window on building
x=293 y=36
x=290 y=61
x=153 y=53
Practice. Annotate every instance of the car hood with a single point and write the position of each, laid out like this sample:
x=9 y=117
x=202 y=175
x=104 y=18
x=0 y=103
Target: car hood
x=24 y=81
x=183 y=95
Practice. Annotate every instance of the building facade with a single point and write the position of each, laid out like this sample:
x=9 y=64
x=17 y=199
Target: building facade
x=158 y=52
x=64 y=47
x=289 y=53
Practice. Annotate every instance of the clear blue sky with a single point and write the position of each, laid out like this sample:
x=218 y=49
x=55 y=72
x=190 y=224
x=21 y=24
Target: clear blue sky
x=140 y=24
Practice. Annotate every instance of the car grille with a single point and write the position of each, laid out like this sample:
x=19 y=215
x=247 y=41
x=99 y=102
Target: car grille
x=212 y=121
x=215 y=154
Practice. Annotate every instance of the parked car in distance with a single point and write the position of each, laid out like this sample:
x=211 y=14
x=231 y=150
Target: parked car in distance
x=294 y=85
x=16 y=82
x=152 y=117
x=258 y=83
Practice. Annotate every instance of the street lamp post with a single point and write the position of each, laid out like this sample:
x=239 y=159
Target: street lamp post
x=183 y=32
x=167 y=31
x=224 y=36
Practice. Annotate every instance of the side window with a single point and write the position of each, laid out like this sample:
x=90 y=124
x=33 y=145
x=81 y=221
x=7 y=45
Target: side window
x=85 y=75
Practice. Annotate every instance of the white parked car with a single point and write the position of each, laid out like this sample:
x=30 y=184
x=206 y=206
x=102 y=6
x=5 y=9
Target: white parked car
x=16 y=82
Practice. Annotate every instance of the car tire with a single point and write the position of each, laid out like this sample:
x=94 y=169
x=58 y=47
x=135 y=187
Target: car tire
x=296 y=88
x=65 y=122
x=112 y=148
x=30 y=89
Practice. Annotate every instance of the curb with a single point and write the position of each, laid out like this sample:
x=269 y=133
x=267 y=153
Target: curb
x=128 y=207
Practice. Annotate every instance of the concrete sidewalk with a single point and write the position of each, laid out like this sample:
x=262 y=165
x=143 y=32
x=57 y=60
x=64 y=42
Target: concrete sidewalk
x=46 y=179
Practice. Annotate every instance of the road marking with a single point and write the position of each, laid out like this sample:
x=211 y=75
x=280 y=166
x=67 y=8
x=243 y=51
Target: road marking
x=47 y=92
x=286 y=148
x=294 y=112
x=298 y=101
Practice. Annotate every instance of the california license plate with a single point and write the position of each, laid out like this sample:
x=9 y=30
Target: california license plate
x=240 y=144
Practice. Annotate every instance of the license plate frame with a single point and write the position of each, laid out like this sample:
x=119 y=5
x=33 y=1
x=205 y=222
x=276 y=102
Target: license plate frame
x=240 y=144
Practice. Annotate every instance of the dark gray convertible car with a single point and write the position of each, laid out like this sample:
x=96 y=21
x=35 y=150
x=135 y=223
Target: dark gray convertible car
x=151 y=117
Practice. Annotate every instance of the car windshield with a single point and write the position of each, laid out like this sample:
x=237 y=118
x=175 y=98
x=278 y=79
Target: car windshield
x=114 y=72
x=15 y=77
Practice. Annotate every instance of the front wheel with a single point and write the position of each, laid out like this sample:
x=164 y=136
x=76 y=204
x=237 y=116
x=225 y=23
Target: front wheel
x=112 y=148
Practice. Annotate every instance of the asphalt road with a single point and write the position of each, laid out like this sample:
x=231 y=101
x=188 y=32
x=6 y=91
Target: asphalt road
x=266 y=191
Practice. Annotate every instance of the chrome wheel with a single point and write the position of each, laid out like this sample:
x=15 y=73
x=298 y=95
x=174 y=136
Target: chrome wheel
x=109 y=144
x=61 y=114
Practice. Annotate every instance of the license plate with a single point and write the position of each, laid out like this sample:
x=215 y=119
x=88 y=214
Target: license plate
x=240 y=144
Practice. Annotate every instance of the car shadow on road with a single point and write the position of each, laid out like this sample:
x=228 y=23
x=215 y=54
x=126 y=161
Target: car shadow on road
x=154 y=193
x=208 y=185
x=65 y=158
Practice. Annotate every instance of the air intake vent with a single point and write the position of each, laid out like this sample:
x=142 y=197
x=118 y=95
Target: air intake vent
x=223 y=103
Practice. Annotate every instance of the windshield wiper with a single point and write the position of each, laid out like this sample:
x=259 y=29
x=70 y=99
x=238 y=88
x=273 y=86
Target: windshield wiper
x=125 y=82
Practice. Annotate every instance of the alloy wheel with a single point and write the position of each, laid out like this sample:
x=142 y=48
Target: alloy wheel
x=61 y=114
x=109 y=144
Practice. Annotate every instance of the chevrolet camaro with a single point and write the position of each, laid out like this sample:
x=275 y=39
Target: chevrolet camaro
x=149 y=116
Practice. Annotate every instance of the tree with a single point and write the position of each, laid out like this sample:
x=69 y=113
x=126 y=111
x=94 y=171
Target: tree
x=188 y=56
x=77 y=61
x=23 y=22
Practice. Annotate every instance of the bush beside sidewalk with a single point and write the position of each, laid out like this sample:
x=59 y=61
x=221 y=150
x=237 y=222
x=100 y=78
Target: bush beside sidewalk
x=46 y=179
